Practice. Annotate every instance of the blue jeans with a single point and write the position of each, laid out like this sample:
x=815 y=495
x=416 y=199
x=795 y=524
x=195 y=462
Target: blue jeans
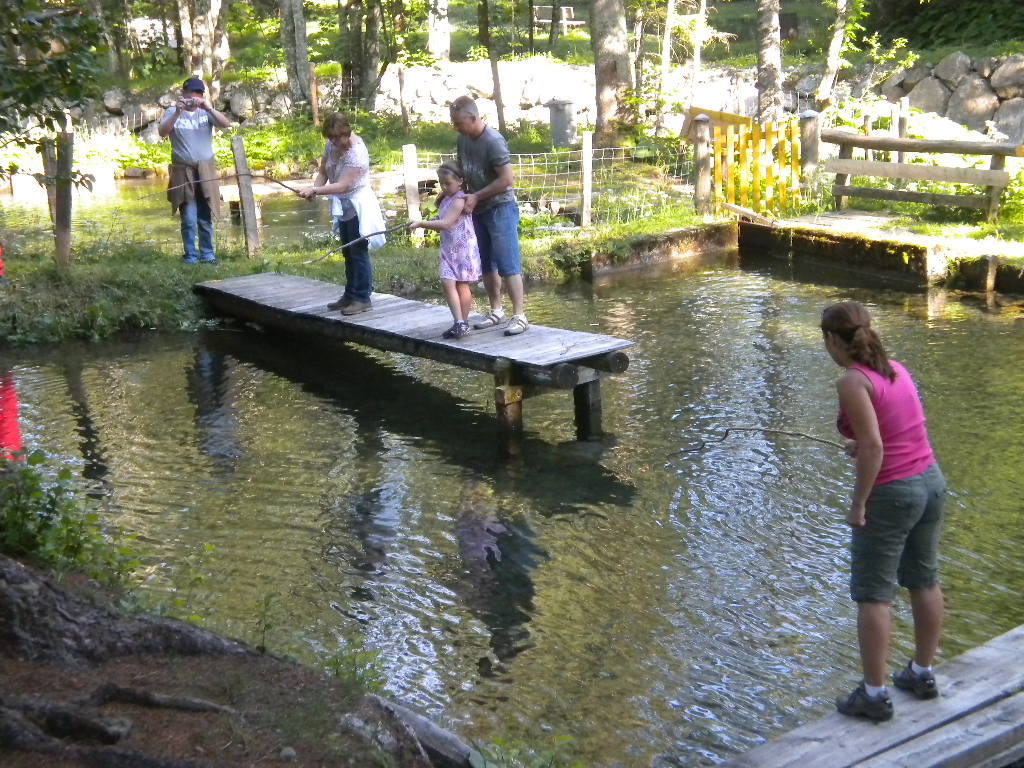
x=358 y=275
x=197 y=215
x=497 y=233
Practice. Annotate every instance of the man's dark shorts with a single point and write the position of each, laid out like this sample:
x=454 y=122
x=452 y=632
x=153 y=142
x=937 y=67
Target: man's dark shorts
x=497 y=233
x=899 y=543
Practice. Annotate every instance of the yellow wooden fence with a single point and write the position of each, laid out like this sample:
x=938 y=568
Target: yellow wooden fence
x=757 y=166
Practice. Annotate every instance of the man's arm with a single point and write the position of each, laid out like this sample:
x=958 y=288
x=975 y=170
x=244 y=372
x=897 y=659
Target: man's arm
x=496 y=187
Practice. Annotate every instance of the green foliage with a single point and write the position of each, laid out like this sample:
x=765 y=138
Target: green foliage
x=356 y=665
x=46 y=60
x=949 y=22
x=42 y=519
x=506 y=753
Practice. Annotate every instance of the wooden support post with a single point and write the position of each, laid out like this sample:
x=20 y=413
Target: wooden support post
x=702 y=165
x=994 y=193
x=866 y=127
x=250 y=221
x=508 y=403
x=587 y=166
x=314 y=95
x=62 y=198
x=845 y=153
x=901 y=125
x=410 y=170
x=810 y=143
x=586 y=399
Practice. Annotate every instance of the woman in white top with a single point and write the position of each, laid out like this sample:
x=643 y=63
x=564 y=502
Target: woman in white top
x=344 y=174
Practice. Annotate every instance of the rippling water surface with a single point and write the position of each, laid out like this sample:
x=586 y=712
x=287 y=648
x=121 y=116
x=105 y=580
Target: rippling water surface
x=631 y=603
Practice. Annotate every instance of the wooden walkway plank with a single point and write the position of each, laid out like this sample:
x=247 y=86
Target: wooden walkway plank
x=980 y=678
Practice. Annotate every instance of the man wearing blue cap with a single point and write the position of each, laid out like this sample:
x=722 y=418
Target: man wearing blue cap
x=192 y=189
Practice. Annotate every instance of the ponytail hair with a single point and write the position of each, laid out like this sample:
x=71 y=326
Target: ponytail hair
x=452 y=170
x=850 y=321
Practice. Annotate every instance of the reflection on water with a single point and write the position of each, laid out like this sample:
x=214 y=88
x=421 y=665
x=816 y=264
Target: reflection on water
x=652 y=605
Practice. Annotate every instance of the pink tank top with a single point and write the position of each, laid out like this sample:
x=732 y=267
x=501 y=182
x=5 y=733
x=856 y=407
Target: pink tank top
x=905 y=447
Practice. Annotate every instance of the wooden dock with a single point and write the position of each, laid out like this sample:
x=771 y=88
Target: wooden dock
x=977 y=722
x=541 y=360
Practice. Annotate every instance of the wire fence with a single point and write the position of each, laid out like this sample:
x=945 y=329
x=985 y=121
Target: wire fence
x=625 y=185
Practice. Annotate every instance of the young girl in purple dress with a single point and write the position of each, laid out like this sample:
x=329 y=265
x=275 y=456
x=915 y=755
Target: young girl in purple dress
x=460 y=255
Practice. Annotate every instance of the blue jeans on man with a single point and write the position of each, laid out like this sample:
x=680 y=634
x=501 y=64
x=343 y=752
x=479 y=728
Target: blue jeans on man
x=196 y=215
x=358 y=275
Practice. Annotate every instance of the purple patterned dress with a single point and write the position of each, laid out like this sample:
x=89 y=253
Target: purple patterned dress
x=460 y=255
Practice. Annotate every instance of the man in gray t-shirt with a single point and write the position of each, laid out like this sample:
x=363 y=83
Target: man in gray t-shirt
x=192 y=186
x=487 y=169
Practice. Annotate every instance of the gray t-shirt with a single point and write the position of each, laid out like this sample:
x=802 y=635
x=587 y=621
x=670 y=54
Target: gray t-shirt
x=191 y=137
x=480 y=159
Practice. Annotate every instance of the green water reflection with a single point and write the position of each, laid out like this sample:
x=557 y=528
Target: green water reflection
x=653 y=605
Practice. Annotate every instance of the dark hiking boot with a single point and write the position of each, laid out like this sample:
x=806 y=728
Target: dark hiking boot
x=859 y=704
x=340 y=303
x=355 y=306
x=923 y=686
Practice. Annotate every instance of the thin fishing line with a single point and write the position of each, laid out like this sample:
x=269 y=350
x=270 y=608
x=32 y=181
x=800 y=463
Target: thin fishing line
x=791 y=433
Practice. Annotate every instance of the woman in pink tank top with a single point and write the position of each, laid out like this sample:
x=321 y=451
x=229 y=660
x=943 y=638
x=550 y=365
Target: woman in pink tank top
x=896 y=512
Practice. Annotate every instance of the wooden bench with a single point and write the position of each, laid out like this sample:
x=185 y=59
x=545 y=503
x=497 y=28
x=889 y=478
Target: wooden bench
x=994 y=179
x=567 y=17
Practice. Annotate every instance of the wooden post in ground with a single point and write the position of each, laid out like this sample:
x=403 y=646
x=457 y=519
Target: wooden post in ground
x=810 y=143
x=49 y=152
x=246 y=199
x=62 y=198
x=586 y=400
x=410 y=171
x=901 y=125
x=702 y=165
x=314 y=95
x=994 y=193
x=587 y=166
x=845 y=153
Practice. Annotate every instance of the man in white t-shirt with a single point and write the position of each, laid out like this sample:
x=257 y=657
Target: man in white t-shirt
x=192 y=188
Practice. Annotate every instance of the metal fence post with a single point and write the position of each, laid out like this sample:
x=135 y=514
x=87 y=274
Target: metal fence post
x=587 y=167
x=410 y=173
x=810 y=142
x=702 y=163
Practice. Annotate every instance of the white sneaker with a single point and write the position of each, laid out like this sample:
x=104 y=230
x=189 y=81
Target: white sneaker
x=518 y=324
x=491 y=319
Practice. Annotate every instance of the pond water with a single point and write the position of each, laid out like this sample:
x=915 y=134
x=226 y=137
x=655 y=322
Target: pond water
x=629 y=603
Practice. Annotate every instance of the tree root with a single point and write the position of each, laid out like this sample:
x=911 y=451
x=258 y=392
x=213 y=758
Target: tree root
x=109 y=693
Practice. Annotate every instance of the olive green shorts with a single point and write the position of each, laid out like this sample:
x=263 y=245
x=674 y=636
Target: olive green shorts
x=899 y=544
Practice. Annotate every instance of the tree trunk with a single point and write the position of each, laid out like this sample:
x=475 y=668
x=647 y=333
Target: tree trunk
x=611 y=67
x=439 y=31
x=221 y=50
x=638 y=48
x=769 y=62
x=296 y=50
x=484 y=19
x=371 y=54
x=823 y=94
x=211 y=42
x=698 y=45
x=186 y=36
x=553 y=27
x=666 y=61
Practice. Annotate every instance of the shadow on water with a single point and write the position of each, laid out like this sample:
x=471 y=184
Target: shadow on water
x=496 y=552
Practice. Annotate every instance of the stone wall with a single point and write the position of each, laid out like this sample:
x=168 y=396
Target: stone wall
x=986 y=94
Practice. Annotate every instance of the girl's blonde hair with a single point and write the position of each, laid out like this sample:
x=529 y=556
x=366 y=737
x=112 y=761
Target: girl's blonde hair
x=450 y=169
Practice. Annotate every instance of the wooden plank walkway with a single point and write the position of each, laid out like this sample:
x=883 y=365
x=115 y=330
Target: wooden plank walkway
x=977 y=722
x=541 y=359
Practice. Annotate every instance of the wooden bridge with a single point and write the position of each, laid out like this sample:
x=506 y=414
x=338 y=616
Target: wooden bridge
x=977 y=722
x=541 y=360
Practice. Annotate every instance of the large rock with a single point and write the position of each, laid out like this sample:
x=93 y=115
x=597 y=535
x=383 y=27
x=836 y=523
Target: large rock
x=280 y=105
x=930 y=95
x=915 y=75
x=150 y=134
x=1009 y=119
x=114 y=100
x=1008 y=79
x=893 y=93
x=953 y=69
x=243 y=104
x=973 y=103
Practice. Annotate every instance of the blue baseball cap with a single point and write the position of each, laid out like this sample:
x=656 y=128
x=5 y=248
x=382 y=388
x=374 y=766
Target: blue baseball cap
x=193 y=84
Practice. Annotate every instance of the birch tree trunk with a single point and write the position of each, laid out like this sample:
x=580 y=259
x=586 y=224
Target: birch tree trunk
x=439 y=30
x=484 y=20
x=211 y=51
x=823 y=94
x=296 y=49
x=187 y=36
x=612 y=71
x=769 y=62
x=699 y=34
x=370 y=61
x=666 y=61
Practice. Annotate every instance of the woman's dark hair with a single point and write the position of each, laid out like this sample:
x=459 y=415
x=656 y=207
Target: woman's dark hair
x=851 y=322
x=336 y=124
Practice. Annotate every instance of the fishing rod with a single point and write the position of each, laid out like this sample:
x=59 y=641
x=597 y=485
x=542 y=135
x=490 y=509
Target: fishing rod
x=367 y=236
x=725 y=433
